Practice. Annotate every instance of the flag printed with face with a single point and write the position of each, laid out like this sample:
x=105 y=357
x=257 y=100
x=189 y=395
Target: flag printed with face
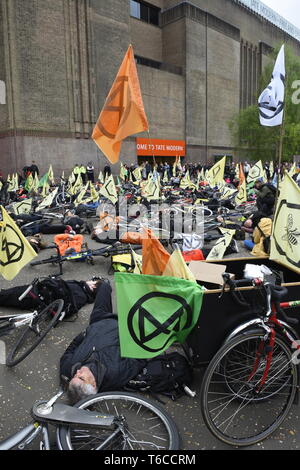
x=271 y=101
x=123 y=113
x=285 y=240
x=15 y=250
x=154 y=312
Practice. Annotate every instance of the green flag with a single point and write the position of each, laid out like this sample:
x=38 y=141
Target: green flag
x=155 y=311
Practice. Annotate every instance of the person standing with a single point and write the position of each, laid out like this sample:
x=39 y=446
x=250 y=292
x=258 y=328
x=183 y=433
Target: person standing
x=90 y=172
x=82 y=171
x=34 y=169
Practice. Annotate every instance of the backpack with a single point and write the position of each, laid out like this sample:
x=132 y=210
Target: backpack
x=166 y=374
x=51 y=289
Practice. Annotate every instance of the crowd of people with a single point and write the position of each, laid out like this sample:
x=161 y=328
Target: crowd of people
x=86 y=362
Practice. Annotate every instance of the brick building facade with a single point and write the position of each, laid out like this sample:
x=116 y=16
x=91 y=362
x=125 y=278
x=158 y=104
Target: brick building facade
x=198 y=62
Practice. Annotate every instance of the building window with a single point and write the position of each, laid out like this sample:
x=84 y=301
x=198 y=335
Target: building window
x=145 y=12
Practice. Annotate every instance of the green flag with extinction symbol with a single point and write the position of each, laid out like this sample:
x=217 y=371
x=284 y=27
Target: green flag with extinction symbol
x=154 y=312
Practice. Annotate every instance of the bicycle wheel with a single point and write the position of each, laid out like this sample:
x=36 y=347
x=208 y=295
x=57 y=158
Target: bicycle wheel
x=147 y=425
x=34 y=333
x=235 y=409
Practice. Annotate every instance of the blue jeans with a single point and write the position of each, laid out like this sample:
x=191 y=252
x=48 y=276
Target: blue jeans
x=249 y=244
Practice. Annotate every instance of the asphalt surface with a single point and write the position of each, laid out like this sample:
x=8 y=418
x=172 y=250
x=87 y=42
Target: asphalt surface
x=37 y=378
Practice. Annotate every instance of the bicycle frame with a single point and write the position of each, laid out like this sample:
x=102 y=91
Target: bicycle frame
x=16 y=320
x=46 y=413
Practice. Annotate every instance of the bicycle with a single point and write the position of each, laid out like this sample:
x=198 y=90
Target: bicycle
x=251 y=383
x=37 y=325
x=106 y=421
x=85 y=255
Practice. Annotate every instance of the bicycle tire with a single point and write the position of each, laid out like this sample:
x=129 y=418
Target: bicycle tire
x=31 y=337
x=232 y=410
x=152 y=414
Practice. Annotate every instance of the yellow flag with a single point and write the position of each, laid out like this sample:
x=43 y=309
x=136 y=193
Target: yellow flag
x=100 y=177
x=137 y=173
x=48 y=200
x=123 y=172
x=241 y=196
x=292 y=170
x=151 y=190
x=16 y=251
x=77 y=186
x=285 y=240
x=177 y=267
x=94 y=193
x=256 y=172
x=50 y=174
x=23 y=207
x=80 y=196
x=216 y=174
x=217 y=252
x=109 y=190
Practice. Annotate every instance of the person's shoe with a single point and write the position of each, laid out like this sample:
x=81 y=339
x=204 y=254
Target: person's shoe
x=234 y=246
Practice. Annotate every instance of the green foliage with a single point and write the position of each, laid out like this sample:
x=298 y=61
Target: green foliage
x=257 y=142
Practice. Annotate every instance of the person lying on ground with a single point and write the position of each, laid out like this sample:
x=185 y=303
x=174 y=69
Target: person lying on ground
x=93 y=362
x=76 y=294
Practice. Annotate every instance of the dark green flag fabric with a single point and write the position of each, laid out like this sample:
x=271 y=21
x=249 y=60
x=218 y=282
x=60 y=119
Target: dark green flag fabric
x=154 y=312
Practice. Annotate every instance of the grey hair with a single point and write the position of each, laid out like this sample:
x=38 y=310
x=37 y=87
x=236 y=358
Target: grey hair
x=78 y=391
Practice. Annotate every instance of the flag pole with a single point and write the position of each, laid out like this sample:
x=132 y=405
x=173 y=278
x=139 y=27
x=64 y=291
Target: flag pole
x=154 y=162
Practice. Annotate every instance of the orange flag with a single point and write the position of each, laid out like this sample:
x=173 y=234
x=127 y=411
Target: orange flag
x=123 y=112
x=154 y=255
x=241 y=175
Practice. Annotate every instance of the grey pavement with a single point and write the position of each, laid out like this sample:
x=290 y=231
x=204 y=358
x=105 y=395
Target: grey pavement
x=37 y=378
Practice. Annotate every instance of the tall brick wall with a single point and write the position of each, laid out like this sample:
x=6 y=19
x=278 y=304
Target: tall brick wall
x=58 y=59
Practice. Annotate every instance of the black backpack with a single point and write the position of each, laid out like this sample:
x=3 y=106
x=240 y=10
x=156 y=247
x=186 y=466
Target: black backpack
x=51 y=289
x=166 y=374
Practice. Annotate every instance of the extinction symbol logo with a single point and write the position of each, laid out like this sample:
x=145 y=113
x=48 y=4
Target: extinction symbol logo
x=114 y=104
x=140 y=321
x=12 y=251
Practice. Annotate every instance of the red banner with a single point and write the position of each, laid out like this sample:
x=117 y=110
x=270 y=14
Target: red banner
x=160 y=148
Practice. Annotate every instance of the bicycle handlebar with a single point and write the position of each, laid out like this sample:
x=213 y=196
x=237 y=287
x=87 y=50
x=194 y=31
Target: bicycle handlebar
x=276 y=294
x=28 y=289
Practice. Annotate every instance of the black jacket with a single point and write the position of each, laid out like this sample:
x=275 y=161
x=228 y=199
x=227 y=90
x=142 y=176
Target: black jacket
x=98 y=348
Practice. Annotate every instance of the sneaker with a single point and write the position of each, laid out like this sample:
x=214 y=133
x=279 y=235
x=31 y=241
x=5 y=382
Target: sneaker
x=234 y=246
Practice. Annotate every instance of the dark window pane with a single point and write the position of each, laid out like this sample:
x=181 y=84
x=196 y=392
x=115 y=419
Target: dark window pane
x=135 y=9
x=154 y=16
x=144 y=13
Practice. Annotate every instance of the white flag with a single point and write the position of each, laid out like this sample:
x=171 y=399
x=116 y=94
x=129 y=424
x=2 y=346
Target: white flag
x=271 y=101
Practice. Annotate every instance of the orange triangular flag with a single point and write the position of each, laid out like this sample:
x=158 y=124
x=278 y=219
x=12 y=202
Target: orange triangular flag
x=241 y=175
x=154 y=255
x=123 y=113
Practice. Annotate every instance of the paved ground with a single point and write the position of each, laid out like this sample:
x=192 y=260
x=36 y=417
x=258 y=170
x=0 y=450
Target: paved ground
x=37 y=376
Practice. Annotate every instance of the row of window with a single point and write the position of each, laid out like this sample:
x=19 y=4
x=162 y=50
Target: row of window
x=145 y=12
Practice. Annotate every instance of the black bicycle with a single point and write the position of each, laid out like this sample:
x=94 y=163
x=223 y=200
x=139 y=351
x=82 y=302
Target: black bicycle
x=86 y=255
x=35 y=326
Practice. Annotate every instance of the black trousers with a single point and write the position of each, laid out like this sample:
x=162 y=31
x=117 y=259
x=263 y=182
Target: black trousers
x=10 y=298
x=103 y=304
